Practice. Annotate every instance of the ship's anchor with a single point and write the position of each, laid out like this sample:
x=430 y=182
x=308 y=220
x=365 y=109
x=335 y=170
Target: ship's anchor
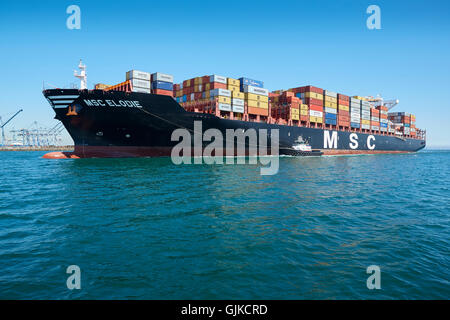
x=72 y=111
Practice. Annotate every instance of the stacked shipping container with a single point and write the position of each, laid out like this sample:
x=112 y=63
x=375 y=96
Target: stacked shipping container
x=162 y=84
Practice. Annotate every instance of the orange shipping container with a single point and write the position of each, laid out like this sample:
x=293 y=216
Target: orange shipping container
x=258 y=111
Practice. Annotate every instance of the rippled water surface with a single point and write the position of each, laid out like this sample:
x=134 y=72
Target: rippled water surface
x=145 y=228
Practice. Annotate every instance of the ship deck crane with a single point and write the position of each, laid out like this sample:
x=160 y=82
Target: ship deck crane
x=2 y=125
x=379 y=101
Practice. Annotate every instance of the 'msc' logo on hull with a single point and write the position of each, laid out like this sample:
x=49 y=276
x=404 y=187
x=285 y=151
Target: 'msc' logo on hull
x=330 y=140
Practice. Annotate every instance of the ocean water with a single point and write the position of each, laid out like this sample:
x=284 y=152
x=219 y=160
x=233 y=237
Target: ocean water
x=145 y=228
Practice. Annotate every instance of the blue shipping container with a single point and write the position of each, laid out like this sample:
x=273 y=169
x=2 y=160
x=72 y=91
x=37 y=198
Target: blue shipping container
x=383 y=125
x=331 y=116
x=184 y=98
x=330 y=121
x=251 y=82
x=355 y=125
x=162 y=85
x=406 y=124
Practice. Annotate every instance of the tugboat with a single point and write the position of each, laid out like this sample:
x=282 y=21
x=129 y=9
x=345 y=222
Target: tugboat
x=300 y=149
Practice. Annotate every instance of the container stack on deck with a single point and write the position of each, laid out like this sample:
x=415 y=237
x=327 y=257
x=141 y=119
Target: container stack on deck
x=383 y=119
x=286 y=107
x=404 y=123
x=374 y=118
x=162 y=83
x=256 y=97
x=354 y=110
x=312 y=102
x=330 y=108
x=365 y=114
x=139 y=81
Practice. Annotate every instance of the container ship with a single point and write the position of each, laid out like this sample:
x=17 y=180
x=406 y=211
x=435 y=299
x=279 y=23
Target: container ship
x=136 y=118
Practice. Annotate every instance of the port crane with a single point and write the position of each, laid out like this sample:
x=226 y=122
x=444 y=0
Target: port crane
x=2 y=125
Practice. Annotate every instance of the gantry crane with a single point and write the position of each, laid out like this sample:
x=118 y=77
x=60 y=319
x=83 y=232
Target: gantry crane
x=2 y=125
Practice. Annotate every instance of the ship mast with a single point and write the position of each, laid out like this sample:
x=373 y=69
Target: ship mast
x=82 y=75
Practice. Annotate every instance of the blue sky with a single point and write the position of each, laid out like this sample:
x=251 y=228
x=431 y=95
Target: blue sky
x=283 y=43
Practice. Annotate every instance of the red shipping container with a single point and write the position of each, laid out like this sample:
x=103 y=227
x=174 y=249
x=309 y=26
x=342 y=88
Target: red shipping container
x=310 y=101
x=198 y=95
x=343 y=97
x=313 y=89
x=315 y=107
x=304 y=118
x=217 y=85
x=205 y=79
x=344 y=123
x=343 y=102
x=344 y=113
x=163 y=92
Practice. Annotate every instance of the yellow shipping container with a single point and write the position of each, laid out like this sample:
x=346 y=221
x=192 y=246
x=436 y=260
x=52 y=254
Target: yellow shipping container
x=344 y=108
x=207 y=86
x=198 y=80
x=179 y=93
x=233 y=82
x=304 y=107
x=208 y=94
x=315 y=119
x=330 y=104
x=330 y=99
x=304 y=112
x=188 y=83
x=237 y=95
x=363 y=121
x=256 y=97
x=314 y=95
x=223 y=99
x=258 y=104
x=295 y=117
x=233 y=88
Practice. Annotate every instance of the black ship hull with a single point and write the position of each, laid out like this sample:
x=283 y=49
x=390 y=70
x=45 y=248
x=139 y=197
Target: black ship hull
x=121 y=124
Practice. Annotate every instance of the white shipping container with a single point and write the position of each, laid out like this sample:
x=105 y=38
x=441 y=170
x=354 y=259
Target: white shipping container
x=365 y=112
x=355 y=105
x=192 y=96
x=218 y=79
x=137 y=83
x=314 y=113
x=383 y=120
x=141 y=90
x=330 y=110
x=220 y=92
x=365 y=126
x=224 y=106
x=355 y=120
x=256 y=90
x=237 y=102
x=376 y=119
x=158 y=76
x=383 y=129
x=365 y=117
x=356 y=114
x=376 y=128
x=239 y=109
x=330 y=93
x=135 y=74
